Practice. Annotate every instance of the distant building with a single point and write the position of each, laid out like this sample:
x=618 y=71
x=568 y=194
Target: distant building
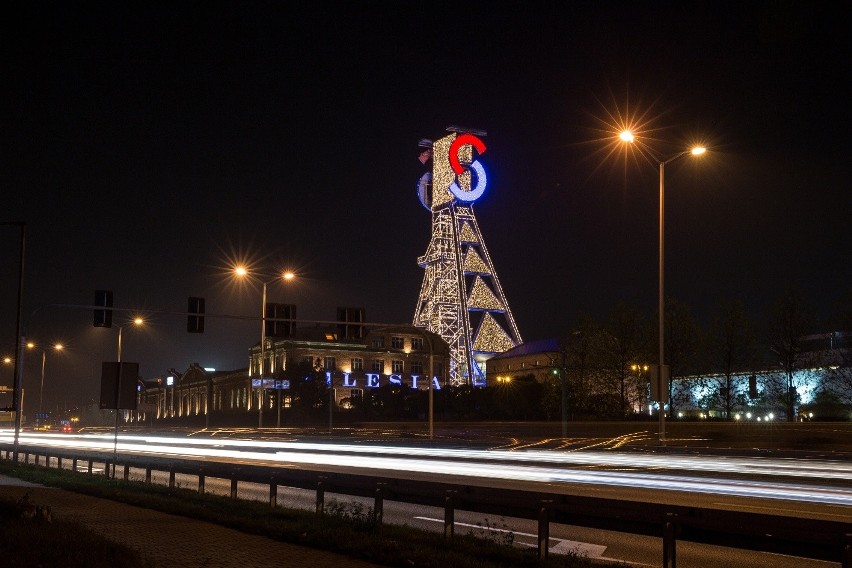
x=822 y=383
x=351 y=358
x=537 y=358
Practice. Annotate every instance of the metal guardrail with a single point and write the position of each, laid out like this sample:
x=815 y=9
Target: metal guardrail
x=809 y=538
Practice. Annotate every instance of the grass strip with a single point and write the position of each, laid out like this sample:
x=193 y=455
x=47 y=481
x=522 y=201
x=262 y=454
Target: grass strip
x=346 y=529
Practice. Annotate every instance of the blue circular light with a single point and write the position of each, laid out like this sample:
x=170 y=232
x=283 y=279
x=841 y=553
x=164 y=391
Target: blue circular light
x=476 y=192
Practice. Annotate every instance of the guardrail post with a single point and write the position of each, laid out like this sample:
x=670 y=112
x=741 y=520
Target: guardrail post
x=233 y=488
x=379 y=504
x=90 y=467
x=201 y=483
x=59 y=462
x=449 y=515
x=107 y=465
x=171 y=478
x=670 y=541
x=544 y=529
x=126 y=472
x=74 y=464
x=148 y=474
x=320 y=495
x=273 y=493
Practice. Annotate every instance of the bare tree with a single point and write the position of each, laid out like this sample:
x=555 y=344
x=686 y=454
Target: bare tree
x=840 y=351
x=731 y=346
x=684 y=339
x=574 y=362
x=624 y=343
x=789 y=322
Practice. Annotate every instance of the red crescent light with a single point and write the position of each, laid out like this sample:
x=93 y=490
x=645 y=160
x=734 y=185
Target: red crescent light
x=458 y=143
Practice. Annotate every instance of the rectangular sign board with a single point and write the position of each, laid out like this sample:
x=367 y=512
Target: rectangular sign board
x=275 y=384
x=119 y=376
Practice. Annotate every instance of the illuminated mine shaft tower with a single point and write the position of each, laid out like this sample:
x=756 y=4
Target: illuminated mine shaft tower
x=461 y=298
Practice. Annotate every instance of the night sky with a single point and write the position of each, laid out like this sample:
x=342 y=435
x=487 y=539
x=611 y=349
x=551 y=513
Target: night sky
x=149 y=147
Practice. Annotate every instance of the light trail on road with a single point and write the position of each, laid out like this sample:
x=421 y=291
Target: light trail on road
x=527 y=466
x=787 y=467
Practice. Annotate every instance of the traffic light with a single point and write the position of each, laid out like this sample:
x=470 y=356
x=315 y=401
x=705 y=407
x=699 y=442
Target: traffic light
x=276 y=312
x=195 y=319
x=103 y=313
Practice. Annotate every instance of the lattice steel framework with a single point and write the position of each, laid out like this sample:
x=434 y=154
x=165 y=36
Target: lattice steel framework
x=461 y=298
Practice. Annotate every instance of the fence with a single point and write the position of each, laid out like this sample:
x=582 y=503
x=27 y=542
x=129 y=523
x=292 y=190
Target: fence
x=809 y=538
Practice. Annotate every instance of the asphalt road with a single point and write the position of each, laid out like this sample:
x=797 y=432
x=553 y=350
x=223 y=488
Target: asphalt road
x=715 y=475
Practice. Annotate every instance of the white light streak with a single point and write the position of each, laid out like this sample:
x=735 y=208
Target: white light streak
x=526 y=466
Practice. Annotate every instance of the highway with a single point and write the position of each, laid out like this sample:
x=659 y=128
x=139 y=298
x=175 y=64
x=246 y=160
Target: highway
x=797 y=488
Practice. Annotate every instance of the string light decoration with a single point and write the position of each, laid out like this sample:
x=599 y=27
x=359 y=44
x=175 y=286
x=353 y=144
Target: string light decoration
x=461 y=298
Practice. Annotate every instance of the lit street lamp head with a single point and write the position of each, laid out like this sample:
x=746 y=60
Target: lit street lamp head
x=626 y=136
x=243 y=272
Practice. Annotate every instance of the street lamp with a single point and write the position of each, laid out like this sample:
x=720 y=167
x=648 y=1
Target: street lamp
x=286 y=275
x=8 y=360
x=56 y=347
x=137 y=321
x=662 y=372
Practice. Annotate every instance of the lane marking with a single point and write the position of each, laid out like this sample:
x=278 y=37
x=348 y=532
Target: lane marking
x=562 y=546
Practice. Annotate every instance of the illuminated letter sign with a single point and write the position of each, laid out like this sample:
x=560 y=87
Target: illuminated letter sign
x=372 y=380
x=481 y=180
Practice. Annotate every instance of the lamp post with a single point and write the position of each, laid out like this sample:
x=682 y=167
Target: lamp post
x=431 y=389
x=243 y=272
x=662 y=372
x=137 y=321
x=56 y=347
x=8 y=361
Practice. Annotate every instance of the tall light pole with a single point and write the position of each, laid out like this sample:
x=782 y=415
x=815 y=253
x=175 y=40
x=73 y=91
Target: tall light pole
x=56 y=347
x=243 y=272
x=7 y=360
x=431 y=389
x=137 y=321
x=662 y=372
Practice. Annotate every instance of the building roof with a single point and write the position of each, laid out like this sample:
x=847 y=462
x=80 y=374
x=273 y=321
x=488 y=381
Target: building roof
x=531 y=348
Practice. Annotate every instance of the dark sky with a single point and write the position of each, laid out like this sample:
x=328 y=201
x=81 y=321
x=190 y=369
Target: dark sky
x=149 y=146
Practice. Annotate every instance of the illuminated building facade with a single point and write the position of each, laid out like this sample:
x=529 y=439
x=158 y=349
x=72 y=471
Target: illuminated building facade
x=351 y=359
x=461 y=298
x=822 y=383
